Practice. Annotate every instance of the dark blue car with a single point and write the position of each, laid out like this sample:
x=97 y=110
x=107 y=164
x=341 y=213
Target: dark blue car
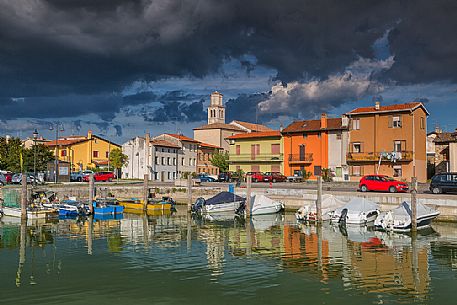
x=205 y=178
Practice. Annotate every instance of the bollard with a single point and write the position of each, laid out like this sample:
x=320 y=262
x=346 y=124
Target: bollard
x=91 y=193
x=248 y=196
x=145 y=191
x=413 y=204
x=319 y=199
x=189 y=193
x=24 y=197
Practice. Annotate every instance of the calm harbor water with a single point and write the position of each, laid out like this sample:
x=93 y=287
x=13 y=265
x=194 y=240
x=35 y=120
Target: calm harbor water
x=171 y=259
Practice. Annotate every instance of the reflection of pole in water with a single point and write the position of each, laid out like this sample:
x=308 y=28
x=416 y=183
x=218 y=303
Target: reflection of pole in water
x=319 y=246
x=90 y=227
x=22 y=245
x=415 y=261
x=248 y=236
x=189 y=232
x=145 y=231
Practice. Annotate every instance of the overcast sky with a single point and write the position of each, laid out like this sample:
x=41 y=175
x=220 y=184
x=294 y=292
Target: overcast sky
x=122 y=68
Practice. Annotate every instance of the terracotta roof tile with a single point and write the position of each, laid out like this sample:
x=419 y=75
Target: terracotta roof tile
x=253 y=135
x=220 y=126
x=388 y=108
x=209 y=145
x=64 y=142
x=445 y=137
x=252 y=126
x=182 y=137
x=313 y=125
x=164 y=143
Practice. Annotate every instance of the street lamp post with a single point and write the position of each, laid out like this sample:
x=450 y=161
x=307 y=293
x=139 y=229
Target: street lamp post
x=35 y=136
x=56 y=162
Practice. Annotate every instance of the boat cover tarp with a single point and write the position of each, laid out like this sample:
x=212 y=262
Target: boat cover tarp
x=223 y=197
x=404 y=210
x=261 y=201
x=329 y=204
x=358 y=204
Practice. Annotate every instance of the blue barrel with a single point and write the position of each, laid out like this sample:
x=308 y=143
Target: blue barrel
x=231 y=188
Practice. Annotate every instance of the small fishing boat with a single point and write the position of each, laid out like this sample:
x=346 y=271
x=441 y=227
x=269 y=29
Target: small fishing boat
x=32 y=213
x=399 y=219
x=221 y=203
x=262 y=205
x=165 y=203
x=106 y=207
x=72 y=208
x=357 y=211
x=329 y=204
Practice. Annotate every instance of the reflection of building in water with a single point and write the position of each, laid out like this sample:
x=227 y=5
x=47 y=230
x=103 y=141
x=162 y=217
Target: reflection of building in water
x=264 y=242
x=215 y=248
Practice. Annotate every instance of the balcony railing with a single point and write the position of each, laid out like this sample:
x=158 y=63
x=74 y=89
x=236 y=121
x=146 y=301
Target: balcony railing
x=257 y=157
x=300 y=158
x=385 y=156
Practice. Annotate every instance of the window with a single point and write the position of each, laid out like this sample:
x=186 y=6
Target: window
x=338 y=136
x=174 y=161
x=397 y=146
x=163 y=161
x=356 y=170
x=107 y=154
x=63 y=153
x=356 y=147
x=319 y=135
x=356 y=124
x=238 y=168
x=168 y=161
x=397 y=171
x=317 y=170
x=338 y=172
x=422 y=123
x=95 y=154
x=255 y=168
x=276 y=168
x=190 y=161
x=275 y=149
x=169 y=175
x=305 y=136
x=157 y=160
x=395 y=121
x=182 y=162
x=238 y=149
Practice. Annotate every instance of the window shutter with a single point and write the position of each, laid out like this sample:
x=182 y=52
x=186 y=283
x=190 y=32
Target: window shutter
x=401 y=120
x=391 y=119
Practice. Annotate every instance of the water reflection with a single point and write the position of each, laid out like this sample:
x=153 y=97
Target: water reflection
x=247 y=256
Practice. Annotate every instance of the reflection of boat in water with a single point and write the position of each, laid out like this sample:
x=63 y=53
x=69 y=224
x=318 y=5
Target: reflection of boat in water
x=266 y=222
x=357 y=211
x=165 y=203
x=221 y=203
x=106 y=207
x=262 y=205
x=329 y=204
x=399 y=219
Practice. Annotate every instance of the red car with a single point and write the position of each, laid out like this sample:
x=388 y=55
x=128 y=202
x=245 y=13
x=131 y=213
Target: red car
x=256 y=176
x=274 y=177
x=381 y=183
x=101 y=176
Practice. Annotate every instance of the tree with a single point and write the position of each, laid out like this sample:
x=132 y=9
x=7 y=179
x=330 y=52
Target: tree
x=43 y=157
x=220 y=160
x=118 y=159
x=14 y=150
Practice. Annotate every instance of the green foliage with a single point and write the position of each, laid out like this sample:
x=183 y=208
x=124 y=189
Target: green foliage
x=11 y=151
x=238 y=175
x=117 y=158
x=327 y=175
x=305 y=174
x=220 y=160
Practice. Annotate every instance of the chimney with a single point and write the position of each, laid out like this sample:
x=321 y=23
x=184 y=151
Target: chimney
x=89 y=134
x=438 y=129
x=323 y=121
x=377 y=105
x=281 y=127
x=344 y=121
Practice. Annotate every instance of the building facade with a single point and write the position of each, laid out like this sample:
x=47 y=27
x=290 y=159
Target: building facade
x=204 y=154
x=313 y=145
x=256 y=152
x=388 y=140
x=445 y=157
x=83 y=152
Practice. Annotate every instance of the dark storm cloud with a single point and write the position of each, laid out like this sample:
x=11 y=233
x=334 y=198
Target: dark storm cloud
x=245 y=108
x=176 y=111
x=52 y=49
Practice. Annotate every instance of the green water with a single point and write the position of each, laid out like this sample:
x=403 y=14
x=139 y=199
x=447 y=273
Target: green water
x=170 y=259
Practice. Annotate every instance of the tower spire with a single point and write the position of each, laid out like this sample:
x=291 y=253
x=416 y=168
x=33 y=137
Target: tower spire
x=216 y=109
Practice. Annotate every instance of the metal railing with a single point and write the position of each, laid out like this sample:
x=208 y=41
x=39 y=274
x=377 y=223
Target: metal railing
x=300 y=158
x=385 y=156
x=256 y=157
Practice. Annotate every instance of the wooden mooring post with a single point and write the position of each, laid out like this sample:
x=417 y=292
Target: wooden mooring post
x=189 y=193
x=319 y=199
x=91 y=193
x=145 y=191
x=248 y=196
x=413 y=204
x=24 y=199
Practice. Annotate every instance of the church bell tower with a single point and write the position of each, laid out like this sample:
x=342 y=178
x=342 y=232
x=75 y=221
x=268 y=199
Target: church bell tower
x=216 y=109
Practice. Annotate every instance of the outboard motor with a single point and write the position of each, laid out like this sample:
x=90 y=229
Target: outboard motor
x=240 y=211
x=198 y=205
x=343 y=216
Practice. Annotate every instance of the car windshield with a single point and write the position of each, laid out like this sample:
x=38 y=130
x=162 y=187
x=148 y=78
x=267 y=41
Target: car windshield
x=387 y=178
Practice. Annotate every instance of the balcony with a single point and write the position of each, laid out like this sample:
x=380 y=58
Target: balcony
x=300 y=158
x=256 y=158
x=399 y=156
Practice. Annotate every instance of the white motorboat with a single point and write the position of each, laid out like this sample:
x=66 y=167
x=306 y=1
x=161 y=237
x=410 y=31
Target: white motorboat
x=329 y=204
x=262 y=205
x=31 y=214
x=399 y=219
x=221 y=203
x=357 y=211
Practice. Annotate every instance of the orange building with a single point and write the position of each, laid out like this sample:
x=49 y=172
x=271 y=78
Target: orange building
x=306 y=146
x=389 y=140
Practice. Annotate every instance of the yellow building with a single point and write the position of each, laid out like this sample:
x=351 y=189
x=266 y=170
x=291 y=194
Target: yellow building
x=83 y=152
x=256 y=152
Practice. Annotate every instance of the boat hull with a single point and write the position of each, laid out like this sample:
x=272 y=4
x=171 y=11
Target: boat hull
x=149 y=207
x=16 y=212
x=110 y=209
x=268 y=209
x=422 y=223
x=222 y=207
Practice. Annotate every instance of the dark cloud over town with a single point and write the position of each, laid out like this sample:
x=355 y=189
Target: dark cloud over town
x=69 y=58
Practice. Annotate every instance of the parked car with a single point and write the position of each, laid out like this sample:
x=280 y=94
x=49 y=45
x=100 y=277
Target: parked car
x=206 y=178
x=2 y=179
x=225 y=177
x=101 y=176
x=381 y=183
x=274 y=177
x=17 y=179
x=444 y=183
x=8 y=176
x=79 y=176
x=256 y=176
